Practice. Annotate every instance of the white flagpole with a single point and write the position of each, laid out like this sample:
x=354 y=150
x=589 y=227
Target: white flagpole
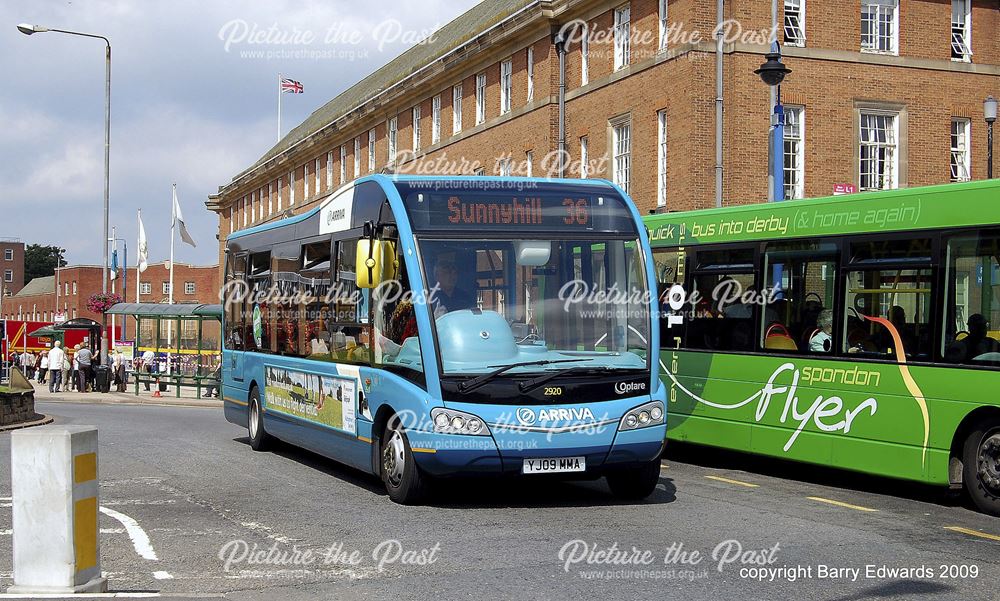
x=173 y=223
x=279 y=107
x=138 y=258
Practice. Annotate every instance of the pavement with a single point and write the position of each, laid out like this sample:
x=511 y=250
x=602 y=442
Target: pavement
x=189 y=510
x=188 y=397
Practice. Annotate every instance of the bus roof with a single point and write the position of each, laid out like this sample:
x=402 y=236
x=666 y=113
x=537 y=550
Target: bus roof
x=391 y=179
x=930 y=207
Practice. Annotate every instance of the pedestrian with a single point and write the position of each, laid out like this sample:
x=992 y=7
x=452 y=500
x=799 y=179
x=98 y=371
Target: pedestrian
x=28 y=364
x=38 y=365
x=148 y=359
x=55 y=361
x=75 y=367
x=84 y=358
x=65 y=372
x=118 y=365
x=43 y=367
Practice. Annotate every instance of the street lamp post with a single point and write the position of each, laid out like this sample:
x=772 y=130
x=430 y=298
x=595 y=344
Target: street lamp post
x=990 y=115
x=772 y=73
x=27 y=29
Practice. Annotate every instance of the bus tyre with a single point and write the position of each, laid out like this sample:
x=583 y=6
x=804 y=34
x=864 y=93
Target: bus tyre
x=635 y=482
x=403 y=480
x=981 y=461
x=259 y=439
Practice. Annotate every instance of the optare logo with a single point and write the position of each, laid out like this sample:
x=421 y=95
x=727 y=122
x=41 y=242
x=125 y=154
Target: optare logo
x=625 y=387
x=526 y=416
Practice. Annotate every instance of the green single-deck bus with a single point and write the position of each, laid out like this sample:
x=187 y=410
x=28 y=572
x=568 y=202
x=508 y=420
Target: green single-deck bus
x=859 y=331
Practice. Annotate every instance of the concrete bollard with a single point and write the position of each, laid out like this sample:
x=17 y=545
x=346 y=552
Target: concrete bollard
x=54 y=494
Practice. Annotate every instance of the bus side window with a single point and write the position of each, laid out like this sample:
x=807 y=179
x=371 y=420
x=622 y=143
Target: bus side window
x=236 y=268
x=723 y=287
x=669 y=266
x=350 y=331
x=972 y=304
x=798 y=314
x=314 y=278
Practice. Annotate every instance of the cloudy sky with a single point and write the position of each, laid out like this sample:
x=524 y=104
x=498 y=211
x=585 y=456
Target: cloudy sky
x=186 y=106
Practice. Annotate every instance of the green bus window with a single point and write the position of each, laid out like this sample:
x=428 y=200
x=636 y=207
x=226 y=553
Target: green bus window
x=669 y=265
x=798 y=297
x=720 y=302
x=882 y=304
x=972 y=305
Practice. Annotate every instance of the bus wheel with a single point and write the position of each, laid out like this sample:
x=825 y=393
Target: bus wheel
x=403 y=480
x=259 y=439
x=635 y=483
x=981 y=461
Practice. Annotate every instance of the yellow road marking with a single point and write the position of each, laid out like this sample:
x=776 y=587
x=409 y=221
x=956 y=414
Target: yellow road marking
x=85 y=533
x=841 y=504
x=731 y=481
x=971 y=532
x=84 y=467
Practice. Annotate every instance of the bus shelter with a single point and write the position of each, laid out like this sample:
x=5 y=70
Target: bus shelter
x=185 y=340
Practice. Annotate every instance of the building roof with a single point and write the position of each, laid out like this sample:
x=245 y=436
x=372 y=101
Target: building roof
x=167 y=310
x=42 y=285
x=462 y=29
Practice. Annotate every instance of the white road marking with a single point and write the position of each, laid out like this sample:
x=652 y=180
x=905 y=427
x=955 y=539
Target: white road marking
x=80 y=596
x=161 y=575
x=135 y=532
x=103 y=531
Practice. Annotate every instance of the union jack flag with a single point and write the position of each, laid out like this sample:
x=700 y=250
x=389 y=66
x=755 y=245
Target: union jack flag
x=290 y=86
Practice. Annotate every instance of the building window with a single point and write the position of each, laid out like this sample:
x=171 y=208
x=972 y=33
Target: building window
x=879 y=167
x=74 y=288
x=664 y=25
x=961 y=30
x=585 y=56
x=8 y=275
x=145 y=288
x=456 y=109
x=436 y=119
x=880 y=26
x=506 y=74
x=243 y=210
x=392 y=140
x=416 y=128
x=166 y=287
x=529 y=158
x=794 y=153
x=480 y=98
x=584 y=168
x=291 y=188
x=316 y=168
x=371 y=149
x=305 y=183
x=503 y=167
x=253 y=207
x=479 y=171
x=531 y=73
x=66 y=288
x=621 y=134
x=8 y=254
x=279 y=194
x=661 y=158
x=795 y=20
x=357 y=157
x=270 y=199
x=343 y=163
x=188 y=287
x=622 y=36
x=960 y=159
x=232 y=224
x=329 y=170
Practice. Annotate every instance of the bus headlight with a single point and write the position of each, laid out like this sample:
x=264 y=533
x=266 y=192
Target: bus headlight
x=450 y=421
x=643 y=416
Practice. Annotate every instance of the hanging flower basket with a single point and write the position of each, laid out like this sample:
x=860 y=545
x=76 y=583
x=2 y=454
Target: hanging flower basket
x=102 y=303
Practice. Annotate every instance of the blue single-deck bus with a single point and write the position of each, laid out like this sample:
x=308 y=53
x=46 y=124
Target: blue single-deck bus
x=422 y=327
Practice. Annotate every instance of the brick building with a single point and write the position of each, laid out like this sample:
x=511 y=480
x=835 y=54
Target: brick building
x=883 y=94
x=11 y=266
x=39 y=301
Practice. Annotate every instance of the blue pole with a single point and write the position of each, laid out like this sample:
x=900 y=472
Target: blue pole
x=778 y=173
x=124 y=287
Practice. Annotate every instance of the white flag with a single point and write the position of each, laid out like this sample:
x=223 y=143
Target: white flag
x=179 y=218
x=143 y=248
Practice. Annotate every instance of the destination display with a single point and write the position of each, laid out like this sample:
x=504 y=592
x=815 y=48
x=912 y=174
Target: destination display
x=575 y=209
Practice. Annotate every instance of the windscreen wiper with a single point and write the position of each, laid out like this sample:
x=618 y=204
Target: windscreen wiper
x=533 y=383
x=474 y=383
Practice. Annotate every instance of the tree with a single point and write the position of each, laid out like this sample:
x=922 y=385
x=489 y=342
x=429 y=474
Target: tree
x=40 y=261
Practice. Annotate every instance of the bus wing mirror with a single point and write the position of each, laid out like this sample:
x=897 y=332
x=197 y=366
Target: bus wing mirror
x=368 y=264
